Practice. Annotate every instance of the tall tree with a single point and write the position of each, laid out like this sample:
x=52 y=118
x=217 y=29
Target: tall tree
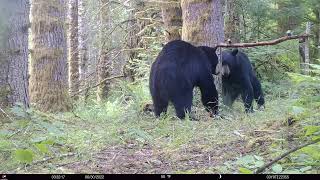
x=14 y=53
x=83 y=44
x=232 y=30
x=73 y=50
x=172 y=18
x=104 y=65
x=49 y=69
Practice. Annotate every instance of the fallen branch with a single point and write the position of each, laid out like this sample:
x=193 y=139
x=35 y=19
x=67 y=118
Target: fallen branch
x=263 y=43
x=103 y=81
x=261 y=169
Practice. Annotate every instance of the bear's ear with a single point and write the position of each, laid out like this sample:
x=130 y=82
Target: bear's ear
x=234 y=52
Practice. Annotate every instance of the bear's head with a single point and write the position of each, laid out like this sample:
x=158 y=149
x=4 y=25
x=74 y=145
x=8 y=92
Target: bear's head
x=229 y=61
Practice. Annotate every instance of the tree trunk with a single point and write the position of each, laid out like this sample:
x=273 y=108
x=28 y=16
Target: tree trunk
x=307 y=50
x=83 y=45
x=202 y=22
x=14 y=57
x=104 y=65
x=135 y=26
x=73 y=49
x=203 y=25
x=172 y=18
x=49 y=69
x=232 y=30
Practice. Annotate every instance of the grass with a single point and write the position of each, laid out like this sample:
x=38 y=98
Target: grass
x=116 y=136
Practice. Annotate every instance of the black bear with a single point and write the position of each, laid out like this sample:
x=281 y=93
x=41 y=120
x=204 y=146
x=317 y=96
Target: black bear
x=238 y=78
x=178 y=68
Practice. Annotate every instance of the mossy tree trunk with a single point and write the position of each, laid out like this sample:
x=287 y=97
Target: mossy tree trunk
x=49 y=67
x=73 y=50
x=135 y=26
x=172 y=19
x=202 y=22
x=83 y=44
x=203 y=25
x=14 y=53
x=232 y=30
x=104 y=65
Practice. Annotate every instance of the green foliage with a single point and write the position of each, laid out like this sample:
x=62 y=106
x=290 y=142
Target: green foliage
x=24 y=156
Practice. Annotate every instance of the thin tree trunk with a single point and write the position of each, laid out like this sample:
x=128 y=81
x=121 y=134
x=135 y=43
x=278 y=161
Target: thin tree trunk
x=172 y=18
x=73 y=50
x=104 y=65
x=14 y=59
x=49 y=69
x=307 y=50
x=83 y=45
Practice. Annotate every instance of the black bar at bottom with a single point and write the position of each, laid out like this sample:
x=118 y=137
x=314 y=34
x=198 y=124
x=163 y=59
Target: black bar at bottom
x=157 y=176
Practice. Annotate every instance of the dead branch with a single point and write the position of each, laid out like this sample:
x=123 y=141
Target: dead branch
x=103 y=81
x=261 y=169
x=263 y=43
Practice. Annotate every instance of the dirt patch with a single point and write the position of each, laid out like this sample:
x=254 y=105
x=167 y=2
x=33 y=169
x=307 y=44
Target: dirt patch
x=126 y=159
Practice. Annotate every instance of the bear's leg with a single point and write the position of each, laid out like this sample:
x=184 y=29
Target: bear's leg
x=257 y=91
x=247 y=95
x=182 y=102
x=160 y=106
x=209 y=95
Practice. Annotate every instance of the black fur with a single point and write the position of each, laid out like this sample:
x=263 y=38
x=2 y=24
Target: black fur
x=240 y=79
x=178 y=68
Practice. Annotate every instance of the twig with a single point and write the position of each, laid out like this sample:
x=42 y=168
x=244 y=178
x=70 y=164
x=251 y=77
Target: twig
x=263 y=43
x=261 y=169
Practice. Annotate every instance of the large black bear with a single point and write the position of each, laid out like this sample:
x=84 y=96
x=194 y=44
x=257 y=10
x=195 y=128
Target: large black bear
x=178 y=68
x=238 y=78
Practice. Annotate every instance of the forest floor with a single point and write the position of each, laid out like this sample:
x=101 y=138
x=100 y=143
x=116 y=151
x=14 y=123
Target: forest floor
x=118 y=137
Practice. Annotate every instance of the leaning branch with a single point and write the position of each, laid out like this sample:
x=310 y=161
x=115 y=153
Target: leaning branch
x=261 y=169
x=263 y=43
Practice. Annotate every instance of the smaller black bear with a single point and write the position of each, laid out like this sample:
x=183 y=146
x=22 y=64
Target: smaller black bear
x=238 y=78
x=178 y=68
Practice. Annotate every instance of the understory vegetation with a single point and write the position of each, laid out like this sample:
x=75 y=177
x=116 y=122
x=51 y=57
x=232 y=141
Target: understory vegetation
x=118 y=136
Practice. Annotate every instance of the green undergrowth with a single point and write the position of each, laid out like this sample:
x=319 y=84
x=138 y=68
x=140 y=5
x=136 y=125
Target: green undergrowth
x=35 y=142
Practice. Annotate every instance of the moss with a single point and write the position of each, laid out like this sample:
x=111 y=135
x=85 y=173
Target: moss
x=48 y=77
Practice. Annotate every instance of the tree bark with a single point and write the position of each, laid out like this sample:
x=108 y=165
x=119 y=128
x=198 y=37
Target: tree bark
x=232 y=30
x=83 y=45
x=73 y=49
x=172 y=18
x=202 y=22
x=104 y=65
x=49 y=69
x=14 y=55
